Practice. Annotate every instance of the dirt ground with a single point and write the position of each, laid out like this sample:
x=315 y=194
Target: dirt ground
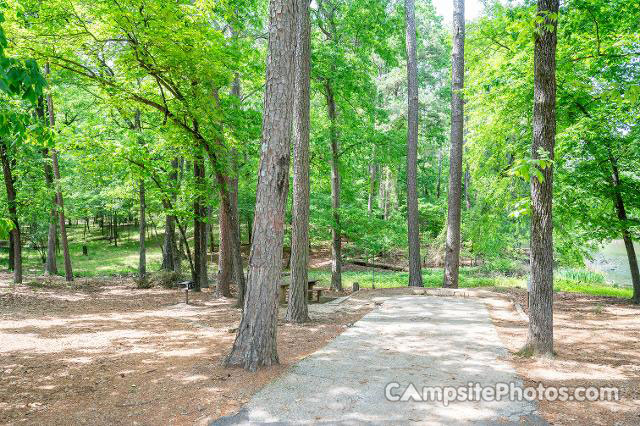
x=597 y=343
x=105 y=352
x=108 y=353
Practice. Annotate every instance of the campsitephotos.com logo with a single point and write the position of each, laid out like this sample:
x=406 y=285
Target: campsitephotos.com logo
x=510 y=391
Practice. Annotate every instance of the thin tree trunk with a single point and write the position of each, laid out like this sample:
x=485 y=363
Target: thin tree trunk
x=386 y=189
x=626 y=236
x=227 y=202
x=199 y=229
x=413 y=226
x=68 y=272
x=467 y=189
x=11 y=252
x=439 y=181
x=197 y=258
x=336 y=236
x=225 y=261
x=51 y=267
x=16 y=245
x=297 y=310
x=142 y=264
x=142 y=257
x=255 y=343
x=373 y=172
x=115 y=228
x=540 y=336
x=169 y=247
x=452 y=250
x=230 y=267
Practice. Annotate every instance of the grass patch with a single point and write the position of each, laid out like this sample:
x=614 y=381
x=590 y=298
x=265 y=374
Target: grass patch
x=104 y=259
x=592 y=289
x=581 y=275
x=584 y=282
x=431 y=277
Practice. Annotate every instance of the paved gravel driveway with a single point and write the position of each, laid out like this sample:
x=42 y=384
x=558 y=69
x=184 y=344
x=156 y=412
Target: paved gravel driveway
x=424 y=340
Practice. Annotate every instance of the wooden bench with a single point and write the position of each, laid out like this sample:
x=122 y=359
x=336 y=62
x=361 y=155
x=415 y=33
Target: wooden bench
x=284 y=288
x=318 y=293
x=311 y=291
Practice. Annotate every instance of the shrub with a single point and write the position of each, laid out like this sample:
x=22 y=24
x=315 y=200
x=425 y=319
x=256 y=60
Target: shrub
x=166 y=279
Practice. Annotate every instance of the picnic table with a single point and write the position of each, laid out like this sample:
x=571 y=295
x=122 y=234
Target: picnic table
x=311 y=291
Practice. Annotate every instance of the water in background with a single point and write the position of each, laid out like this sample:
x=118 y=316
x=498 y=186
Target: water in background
x=611 y=260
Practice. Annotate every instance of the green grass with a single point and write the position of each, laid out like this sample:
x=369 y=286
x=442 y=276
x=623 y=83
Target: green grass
x=581 y=275
x=431 y=277
x=104 y=258
x=577 y=281
x=592 y=289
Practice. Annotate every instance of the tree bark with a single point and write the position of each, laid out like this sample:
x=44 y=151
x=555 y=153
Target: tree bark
x=142 y=264
x=336 y=236
x=169 y=246
x=386 y=189
x=68 y=272
x=439 y=181
x=255 y=343
x=626 y=236
x=452 y=250
x=227 y=203
x=229 y=226
x=540 y=336
x=413 y=226
x=51 y=267
x=373 y=173
x=467 y=189
x=142 y=256
x=16 y=243
x=225 y=261
x=200 y=279
x=230 y=255
x=297 y=310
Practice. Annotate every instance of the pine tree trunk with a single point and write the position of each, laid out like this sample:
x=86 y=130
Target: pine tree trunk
x=297 y=310
x=68 y=272
x=16 y=242
x=255 y=343
x=413 y=226
x=452 y=250
x=336 y=236
x=540 y=336
x=626 y=236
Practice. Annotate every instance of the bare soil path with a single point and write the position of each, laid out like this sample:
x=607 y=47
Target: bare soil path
x=106 y=353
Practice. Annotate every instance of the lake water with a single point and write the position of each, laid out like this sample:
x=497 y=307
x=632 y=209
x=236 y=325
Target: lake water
x=611 y=260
